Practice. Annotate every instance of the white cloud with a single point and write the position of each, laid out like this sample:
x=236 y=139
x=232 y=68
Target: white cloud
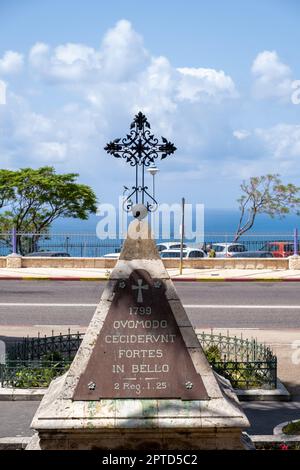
x=282 y=141
x=2 y=92
x=67 y=62
x=11 y=63
x=241 y=134
x=38 y=54
x=123 y=52
x=52 y=152
x=120 y=57
x=196 y=83
x=272 y=77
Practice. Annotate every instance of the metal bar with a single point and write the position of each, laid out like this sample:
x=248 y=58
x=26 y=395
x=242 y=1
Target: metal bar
x=14 y=240
x=295 y=242
x=182 y=235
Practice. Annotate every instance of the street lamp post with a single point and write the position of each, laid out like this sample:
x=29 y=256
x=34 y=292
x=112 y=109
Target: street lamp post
x=153 y=170
x=122 y=216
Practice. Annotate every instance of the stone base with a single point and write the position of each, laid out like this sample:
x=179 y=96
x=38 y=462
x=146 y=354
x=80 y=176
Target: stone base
x=140 y=440
x=14 y=261
x=294 y=262
x=140 y=424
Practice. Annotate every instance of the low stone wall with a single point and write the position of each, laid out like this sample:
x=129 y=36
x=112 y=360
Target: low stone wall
x=70 y=263
x=203 y=263
x=230 y=263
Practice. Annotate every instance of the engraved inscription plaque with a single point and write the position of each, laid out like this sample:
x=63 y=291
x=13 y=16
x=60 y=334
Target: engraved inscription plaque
x=140 y=352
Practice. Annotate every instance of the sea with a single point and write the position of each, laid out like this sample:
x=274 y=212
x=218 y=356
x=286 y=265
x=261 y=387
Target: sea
x=79 y=238
x=221 y=221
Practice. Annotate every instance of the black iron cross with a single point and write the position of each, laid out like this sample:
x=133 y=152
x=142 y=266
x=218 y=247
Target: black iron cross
x=140 y=148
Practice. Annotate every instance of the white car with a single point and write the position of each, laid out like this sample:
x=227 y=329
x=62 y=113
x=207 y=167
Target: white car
x=160 y=246
x=224 y=250
x=187 y=253
x=169 y=246
x=112 y=255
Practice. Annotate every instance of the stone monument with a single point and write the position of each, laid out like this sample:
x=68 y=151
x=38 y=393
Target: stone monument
x=140 y=379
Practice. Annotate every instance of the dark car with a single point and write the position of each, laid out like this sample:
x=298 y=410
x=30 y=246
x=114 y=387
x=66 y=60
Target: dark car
x=57 y=254
x=253 y=254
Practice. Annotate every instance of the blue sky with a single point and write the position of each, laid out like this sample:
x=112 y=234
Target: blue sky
x=214 y=77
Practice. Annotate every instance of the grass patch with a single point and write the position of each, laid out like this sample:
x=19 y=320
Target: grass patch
x=292 y=428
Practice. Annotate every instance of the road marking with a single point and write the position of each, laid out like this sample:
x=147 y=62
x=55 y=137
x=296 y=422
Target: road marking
x=35 y=304
x=258 y=307
x=211 y=306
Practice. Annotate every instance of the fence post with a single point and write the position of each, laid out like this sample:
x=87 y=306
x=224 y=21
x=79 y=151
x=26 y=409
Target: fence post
x=295 y=242
x=181 y=235
x=14 y=240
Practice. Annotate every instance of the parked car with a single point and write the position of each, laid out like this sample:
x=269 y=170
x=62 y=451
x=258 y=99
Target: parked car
x=224 y=250
x=115 y=254
x=279 y=249
x=169 y=246
x=187 y=253
x=58 y=254
x=253 y=254
x=112 y=255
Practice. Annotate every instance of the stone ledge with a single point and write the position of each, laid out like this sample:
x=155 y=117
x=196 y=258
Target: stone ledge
x=17 y=261
x=278 y=430
x=269 y=438
x=14 y=443
x=278 y=394
x=24 y=394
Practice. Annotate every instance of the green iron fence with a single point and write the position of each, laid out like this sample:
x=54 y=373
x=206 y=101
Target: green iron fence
x=30 y=349
x=34 y=362
x=246 y=363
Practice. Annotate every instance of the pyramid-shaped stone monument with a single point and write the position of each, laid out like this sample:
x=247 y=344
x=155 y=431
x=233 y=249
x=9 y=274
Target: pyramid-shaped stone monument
x=140 y=379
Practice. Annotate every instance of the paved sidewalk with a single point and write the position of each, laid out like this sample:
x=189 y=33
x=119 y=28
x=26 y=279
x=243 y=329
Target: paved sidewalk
x=189 y=274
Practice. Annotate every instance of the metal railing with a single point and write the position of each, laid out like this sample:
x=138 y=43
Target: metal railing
x=31 y=349
x=34 y=362
x=246 y=363
x=89 y=245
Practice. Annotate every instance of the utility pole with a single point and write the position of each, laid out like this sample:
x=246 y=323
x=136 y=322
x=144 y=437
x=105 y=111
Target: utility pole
x=182 y=235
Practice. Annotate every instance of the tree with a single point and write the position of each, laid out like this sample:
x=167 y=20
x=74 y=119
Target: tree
x=6 y=191
x=265 y=195
x=35 y=198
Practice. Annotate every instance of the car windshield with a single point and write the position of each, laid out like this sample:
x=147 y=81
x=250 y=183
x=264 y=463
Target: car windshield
x=172 y=254
x=218 y=248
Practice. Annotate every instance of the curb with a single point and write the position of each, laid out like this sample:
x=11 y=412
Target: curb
x=174 y=279
x=14 y=443
x=18 y=394
x=278 y=430
x=278 y=394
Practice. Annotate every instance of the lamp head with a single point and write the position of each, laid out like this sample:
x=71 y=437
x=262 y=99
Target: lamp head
x=152 y=170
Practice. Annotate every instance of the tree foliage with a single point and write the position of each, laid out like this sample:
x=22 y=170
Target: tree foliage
x=6 y=191
x=31 y=199
x=265 y=195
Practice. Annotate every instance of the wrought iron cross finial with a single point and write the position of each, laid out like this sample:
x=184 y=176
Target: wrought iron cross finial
x=140 y=148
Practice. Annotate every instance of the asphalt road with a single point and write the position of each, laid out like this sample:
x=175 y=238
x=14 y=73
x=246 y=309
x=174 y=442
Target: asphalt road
x=219 y=305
